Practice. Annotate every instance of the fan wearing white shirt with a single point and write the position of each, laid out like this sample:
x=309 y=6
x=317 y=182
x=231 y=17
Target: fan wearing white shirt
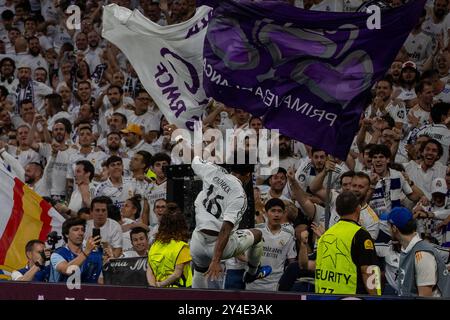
x=139 y=241
x=23 y=152
x=419 y=45
x=437 y=130
x=134 y=140
x=110 y=230
x=86 y=152
x=82 y=195
x=419 y=115
x=53 y=104
x=409 y=76
x=34 y=58
x=36 y=179
x=159 y=188
x=116 y=187
x=130 y=218
x=146 y=113
x=429 y=167
x=30 y=89
x=278 y=247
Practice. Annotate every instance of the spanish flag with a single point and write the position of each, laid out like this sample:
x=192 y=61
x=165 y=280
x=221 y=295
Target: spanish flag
x=24 y=216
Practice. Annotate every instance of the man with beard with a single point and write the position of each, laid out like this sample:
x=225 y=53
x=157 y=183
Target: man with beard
x=41 y=75
x=7 y=73
x=422 y=271
x=115 y=96
x=36 y=179
x=146 y=112
x=383 y=104
x=84 y=96
x=408 y=78
x=434 y=24
x=134 y=142
x=360 y=187
x=23 y=151
x=441 y=90
x=437 y=130
x=34 y=58
x=419 y=115
x=394 y=72
x=359 y=184
x=114 y=148
x=277 y=182
x=419 y=45
x=309 y=169
x=152 y=11
x=94 y=52
x=29 y=89
x=58 y=154
x=86 y=152
x=428 y=169
x=442 y=67
x=388 y=186
x=285 y=154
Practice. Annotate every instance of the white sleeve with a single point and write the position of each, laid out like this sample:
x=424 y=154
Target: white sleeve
x=43 y=89
x=117 y=237
x=292 y=252
x=16 y=275
x=15 y=165
x=442 y=214
x=382 y=249
x=406 y=188
x=201 y=167
x=426 y=268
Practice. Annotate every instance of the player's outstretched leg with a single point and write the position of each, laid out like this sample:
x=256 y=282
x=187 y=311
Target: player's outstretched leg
x=255 y=271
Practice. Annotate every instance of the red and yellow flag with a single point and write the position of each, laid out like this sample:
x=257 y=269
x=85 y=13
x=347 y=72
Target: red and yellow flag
x=24 y=216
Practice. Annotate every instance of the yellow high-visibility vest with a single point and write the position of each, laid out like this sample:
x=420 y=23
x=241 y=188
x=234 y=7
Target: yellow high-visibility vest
x=162 y=258
x=335 y=271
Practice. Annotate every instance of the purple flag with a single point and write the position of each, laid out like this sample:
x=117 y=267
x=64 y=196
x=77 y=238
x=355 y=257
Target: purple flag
x=308 y=73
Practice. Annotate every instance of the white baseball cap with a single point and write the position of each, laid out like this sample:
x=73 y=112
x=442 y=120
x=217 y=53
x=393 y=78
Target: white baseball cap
x=439 y=186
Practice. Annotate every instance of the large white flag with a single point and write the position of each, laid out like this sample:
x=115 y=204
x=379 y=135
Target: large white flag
x=167 y=59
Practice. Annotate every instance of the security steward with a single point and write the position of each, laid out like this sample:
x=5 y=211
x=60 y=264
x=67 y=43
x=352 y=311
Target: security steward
x=346 y=258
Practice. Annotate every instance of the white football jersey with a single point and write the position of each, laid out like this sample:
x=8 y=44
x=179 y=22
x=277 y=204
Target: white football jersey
x=439 y=132
x=277 y=248
x=117 y=194
x=222 y=199
x=419 y=47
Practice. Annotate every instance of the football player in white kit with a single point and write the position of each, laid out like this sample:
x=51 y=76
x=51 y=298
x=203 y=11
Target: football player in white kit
x=219 y=208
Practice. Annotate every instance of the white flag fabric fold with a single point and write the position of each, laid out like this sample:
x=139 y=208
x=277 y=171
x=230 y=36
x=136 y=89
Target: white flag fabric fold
x=167 y=59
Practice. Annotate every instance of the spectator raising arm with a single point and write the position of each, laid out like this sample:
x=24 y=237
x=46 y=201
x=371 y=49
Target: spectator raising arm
x=11 y=162
x=300 y=196
x=316 y=185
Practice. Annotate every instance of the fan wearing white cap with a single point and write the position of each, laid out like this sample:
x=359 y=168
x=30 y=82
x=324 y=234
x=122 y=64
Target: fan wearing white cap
x=409 y=76
x=29 y=89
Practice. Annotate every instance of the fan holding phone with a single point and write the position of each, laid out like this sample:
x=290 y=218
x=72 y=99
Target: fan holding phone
x=108 y=230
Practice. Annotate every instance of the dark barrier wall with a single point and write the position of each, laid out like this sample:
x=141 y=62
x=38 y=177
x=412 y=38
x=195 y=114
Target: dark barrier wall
x=10 y=290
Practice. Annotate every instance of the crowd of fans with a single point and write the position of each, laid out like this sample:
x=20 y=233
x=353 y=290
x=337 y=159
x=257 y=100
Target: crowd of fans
x=78 y=127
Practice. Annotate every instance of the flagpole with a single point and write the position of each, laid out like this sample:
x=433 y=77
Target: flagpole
x=328 y=200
